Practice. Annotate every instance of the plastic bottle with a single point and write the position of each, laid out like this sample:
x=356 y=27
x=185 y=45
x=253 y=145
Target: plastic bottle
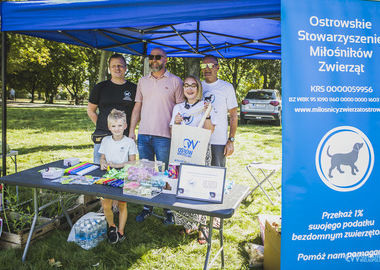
x=82 y=235
x=104 y=226
x=94 y=230
x=89 y=243
x=77 y=233
x=99 y=229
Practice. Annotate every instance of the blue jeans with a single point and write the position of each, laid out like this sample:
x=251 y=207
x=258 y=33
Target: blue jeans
x=150 y=146
x=96 y=153
x=217 y=155
x=154 y=146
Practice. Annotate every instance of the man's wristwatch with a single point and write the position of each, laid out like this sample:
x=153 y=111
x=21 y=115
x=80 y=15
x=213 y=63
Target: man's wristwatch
x=231 y=139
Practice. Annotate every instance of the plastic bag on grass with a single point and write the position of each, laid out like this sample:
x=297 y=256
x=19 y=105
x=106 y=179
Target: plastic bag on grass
x=89 y=230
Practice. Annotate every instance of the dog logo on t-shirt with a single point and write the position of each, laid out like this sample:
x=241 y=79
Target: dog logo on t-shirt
x=187 y=119
x=208 y=97
x=127 y=95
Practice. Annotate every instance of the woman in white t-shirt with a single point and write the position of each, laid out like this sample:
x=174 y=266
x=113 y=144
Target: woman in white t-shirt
x=190 y=113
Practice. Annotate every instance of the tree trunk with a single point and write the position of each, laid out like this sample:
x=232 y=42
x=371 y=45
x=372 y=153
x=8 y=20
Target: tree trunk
x=235 y=74
x=50 y=99
x=265 y=83
x=32 y=93
x=103 y=65
x=192 y=66
x=145 y=61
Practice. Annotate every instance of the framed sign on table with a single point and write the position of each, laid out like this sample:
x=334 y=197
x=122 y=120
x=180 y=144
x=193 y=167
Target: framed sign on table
x=202 y=183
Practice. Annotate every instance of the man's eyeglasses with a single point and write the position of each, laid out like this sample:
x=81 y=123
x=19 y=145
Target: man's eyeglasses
x=209 y=65
x=157 y=57
x=192 y=86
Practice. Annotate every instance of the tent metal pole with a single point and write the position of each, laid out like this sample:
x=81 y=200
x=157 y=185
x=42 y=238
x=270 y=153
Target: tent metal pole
x=4 y=99
x=188 y=43
x=119 y=43
x=198 y=25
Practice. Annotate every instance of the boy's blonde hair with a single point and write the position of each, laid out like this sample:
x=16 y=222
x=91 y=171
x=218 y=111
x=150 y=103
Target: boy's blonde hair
x=116 y=115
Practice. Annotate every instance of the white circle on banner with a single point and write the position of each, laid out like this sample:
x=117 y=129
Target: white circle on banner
x=344 y=158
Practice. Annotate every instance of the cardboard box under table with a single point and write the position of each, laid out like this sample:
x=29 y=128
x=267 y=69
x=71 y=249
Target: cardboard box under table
x=32 y=178
x=272 y=248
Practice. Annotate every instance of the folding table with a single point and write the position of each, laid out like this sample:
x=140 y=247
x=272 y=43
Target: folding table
x=32 y=178
x=13 y=155
x=262 y=167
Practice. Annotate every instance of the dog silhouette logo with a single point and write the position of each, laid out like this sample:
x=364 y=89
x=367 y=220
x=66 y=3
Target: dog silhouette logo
x=187 y=119
x=208 y=97
x=344 y=158
x=348 y=159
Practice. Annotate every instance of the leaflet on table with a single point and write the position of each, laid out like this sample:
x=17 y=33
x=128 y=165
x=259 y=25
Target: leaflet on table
x=51 y=172
x=201 y=183
x=76 y=179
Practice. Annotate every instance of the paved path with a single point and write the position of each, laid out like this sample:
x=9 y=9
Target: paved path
x=28 y=104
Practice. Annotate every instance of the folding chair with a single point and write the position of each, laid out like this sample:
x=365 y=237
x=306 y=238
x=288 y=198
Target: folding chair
x=272 y=168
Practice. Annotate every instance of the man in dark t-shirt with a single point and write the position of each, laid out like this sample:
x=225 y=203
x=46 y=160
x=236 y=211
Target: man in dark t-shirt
x=116 y=93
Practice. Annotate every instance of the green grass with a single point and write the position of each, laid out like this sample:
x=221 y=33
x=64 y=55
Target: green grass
x=42 y=135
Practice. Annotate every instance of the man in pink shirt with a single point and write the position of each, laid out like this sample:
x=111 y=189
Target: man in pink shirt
x=156 y=95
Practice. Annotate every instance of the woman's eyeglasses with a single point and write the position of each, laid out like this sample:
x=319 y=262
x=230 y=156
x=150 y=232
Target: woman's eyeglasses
x=192 y=86
x=155 y=56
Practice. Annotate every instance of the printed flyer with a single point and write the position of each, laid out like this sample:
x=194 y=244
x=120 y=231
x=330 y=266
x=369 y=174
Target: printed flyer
x=331 y=127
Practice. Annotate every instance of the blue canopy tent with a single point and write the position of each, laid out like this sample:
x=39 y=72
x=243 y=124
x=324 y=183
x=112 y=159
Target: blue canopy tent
x=185 y=28
x=244 y=28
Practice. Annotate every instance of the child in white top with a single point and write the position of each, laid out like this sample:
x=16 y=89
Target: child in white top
x=116 y=151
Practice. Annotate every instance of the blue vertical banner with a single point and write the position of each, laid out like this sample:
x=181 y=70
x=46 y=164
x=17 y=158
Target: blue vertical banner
x=331 y=134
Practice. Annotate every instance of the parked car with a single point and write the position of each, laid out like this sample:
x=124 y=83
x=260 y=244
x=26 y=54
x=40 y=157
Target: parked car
x=264 y=105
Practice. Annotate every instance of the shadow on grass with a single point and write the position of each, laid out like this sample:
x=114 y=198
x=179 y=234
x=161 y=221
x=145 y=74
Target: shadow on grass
x=49 y=119
x=260 y=129
x=248 y=200
x=44 y=148
x=150 y=236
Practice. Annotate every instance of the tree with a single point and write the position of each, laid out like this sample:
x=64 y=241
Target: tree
x=95 y=66
x=176 y=66
x=192 y=66
x=270 y=70
x=240 y=73
x=247 y=74
x=134 y=68
x=75 y=71
x=42 y=66
x=39 y=66
x=27 y=58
